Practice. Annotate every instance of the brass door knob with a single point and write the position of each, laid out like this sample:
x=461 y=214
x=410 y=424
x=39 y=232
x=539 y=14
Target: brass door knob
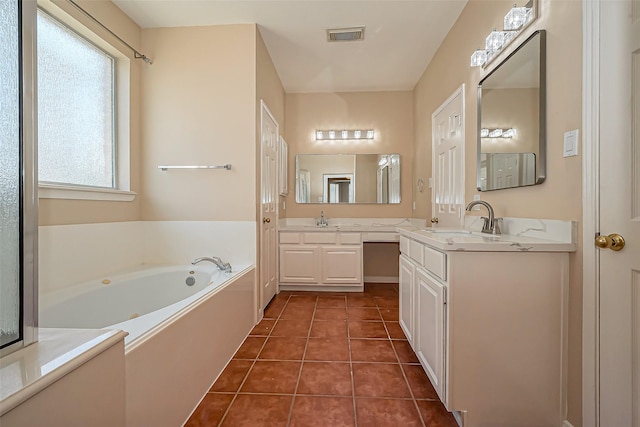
x=266 y=220
x=614 y=241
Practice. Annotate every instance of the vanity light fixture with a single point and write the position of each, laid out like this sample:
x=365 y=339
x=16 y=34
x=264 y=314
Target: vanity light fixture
x=514 y=21
x=517 y=17
x=344 y=135
x=498 y=133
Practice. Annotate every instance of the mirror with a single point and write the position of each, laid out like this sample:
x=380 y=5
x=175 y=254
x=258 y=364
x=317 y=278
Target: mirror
x=348 y=178
x=511 y=119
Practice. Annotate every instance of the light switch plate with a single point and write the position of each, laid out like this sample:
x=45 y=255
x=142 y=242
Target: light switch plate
x=571 y=143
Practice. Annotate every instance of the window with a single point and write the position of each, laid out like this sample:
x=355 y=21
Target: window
x=83 y=111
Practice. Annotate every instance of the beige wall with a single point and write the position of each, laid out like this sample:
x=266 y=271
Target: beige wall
x=388 y=113
x=560 y=196
x=199 y=109
x=59 y=211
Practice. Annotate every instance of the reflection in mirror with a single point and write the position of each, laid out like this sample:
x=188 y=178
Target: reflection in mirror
x=511 y=119
x=348 y=178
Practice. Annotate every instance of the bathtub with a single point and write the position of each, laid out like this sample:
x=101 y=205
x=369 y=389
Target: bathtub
x=184 y=324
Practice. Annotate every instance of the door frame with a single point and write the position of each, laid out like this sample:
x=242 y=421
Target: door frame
x=590 y=211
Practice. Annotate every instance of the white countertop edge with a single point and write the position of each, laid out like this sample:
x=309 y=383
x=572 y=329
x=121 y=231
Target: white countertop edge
x=505 y=243
x=87 y=345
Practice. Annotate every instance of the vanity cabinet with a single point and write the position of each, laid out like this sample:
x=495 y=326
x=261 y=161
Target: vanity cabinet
x=488 y=327
x=422 y=307
x=320 y=259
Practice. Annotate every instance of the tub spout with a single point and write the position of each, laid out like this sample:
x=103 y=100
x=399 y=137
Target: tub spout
x=223 y=266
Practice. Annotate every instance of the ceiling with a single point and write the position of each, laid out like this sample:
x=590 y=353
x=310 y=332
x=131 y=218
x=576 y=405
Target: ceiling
x=401 y=36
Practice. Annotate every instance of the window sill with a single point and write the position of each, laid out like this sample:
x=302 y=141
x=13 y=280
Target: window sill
x=52 y=191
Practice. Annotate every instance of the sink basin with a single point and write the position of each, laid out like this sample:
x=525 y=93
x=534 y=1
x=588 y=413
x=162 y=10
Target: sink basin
x=448 y=231
x=458 y=232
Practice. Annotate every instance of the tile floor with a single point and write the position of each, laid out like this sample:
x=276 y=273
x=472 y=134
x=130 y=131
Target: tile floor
x=325 y=359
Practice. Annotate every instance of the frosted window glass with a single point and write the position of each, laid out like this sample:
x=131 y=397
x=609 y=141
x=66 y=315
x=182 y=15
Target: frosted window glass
x=9 y=174
x=75 y=108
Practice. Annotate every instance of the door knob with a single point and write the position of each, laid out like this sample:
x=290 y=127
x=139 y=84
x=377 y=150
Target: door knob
x=266 y=220
x=614 y=241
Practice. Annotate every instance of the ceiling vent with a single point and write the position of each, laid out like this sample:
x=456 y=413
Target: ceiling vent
x=345 y=34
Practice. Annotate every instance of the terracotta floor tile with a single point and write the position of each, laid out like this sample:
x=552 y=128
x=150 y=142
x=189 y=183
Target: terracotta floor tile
x=381 y=289
x=329 y=328
x=250 y=348
x=274 y=309
x=303 y=300
x=258 y=411
x=232 y=376
x=435 y=414
x=314 y=411
x=210 y=411
x=283 y=348
x=387 y=412
x=330 y=313
x=362 y=313
x=325 y=378
x=391 y=301
x=372 y=351
x=272 y=377
x=361 y=300
x=297 y=312
x=263 y=328
x=405 y=352
x=390 y=314
x=332 y=301
x=292 y=328
x=359 y=329
x=327 y=349
x=395 y=331
x=379 y=380
x=419 y=382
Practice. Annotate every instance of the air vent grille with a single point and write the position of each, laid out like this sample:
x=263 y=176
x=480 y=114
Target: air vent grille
x=345 y=34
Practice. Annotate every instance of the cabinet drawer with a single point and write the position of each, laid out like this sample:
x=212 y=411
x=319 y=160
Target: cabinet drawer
x=289 y=237
x=350 y=238
x=404 y=245
x=416 y=251
x=320 y=237
x=435 y=262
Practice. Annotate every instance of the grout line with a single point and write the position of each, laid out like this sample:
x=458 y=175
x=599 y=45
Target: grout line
x=304 y=353
x=226 y=412
x=353 y=383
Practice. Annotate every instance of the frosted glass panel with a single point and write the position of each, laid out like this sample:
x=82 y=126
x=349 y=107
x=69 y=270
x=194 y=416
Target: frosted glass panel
x=9 y=174
x=75 y=108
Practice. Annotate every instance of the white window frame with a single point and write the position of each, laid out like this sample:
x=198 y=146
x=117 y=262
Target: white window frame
x=122 y=110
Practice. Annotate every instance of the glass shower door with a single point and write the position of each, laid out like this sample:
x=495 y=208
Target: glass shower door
x=18 y=207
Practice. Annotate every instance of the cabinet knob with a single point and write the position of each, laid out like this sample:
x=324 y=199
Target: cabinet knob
x=434 y=220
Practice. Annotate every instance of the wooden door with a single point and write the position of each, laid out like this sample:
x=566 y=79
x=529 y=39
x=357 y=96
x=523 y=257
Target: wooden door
x=448 y=161
x=269 y=205
x=619 y=278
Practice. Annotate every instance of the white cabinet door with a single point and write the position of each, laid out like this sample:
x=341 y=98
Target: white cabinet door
x=299 y=264
x=341 y=264
x=407 y=274
x=429 y=328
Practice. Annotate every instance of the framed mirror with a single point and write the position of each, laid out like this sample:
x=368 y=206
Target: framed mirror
x=348 y=178
x=512 y=119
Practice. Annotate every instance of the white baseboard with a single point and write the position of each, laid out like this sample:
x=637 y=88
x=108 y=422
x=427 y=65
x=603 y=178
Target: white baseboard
x=381 y=279
x=567 y=424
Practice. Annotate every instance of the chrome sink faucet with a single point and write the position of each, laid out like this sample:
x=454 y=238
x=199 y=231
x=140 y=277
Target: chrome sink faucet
x=491 y=224
x=223 y=266
x=322 y=221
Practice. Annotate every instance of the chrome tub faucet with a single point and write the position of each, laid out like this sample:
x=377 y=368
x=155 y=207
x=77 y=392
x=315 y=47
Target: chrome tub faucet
x=222 y=266
x=491 y=225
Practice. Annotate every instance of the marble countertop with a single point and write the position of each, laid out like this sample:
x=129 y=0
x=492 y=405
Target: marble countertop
x=543 y=236
x=360 y=225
